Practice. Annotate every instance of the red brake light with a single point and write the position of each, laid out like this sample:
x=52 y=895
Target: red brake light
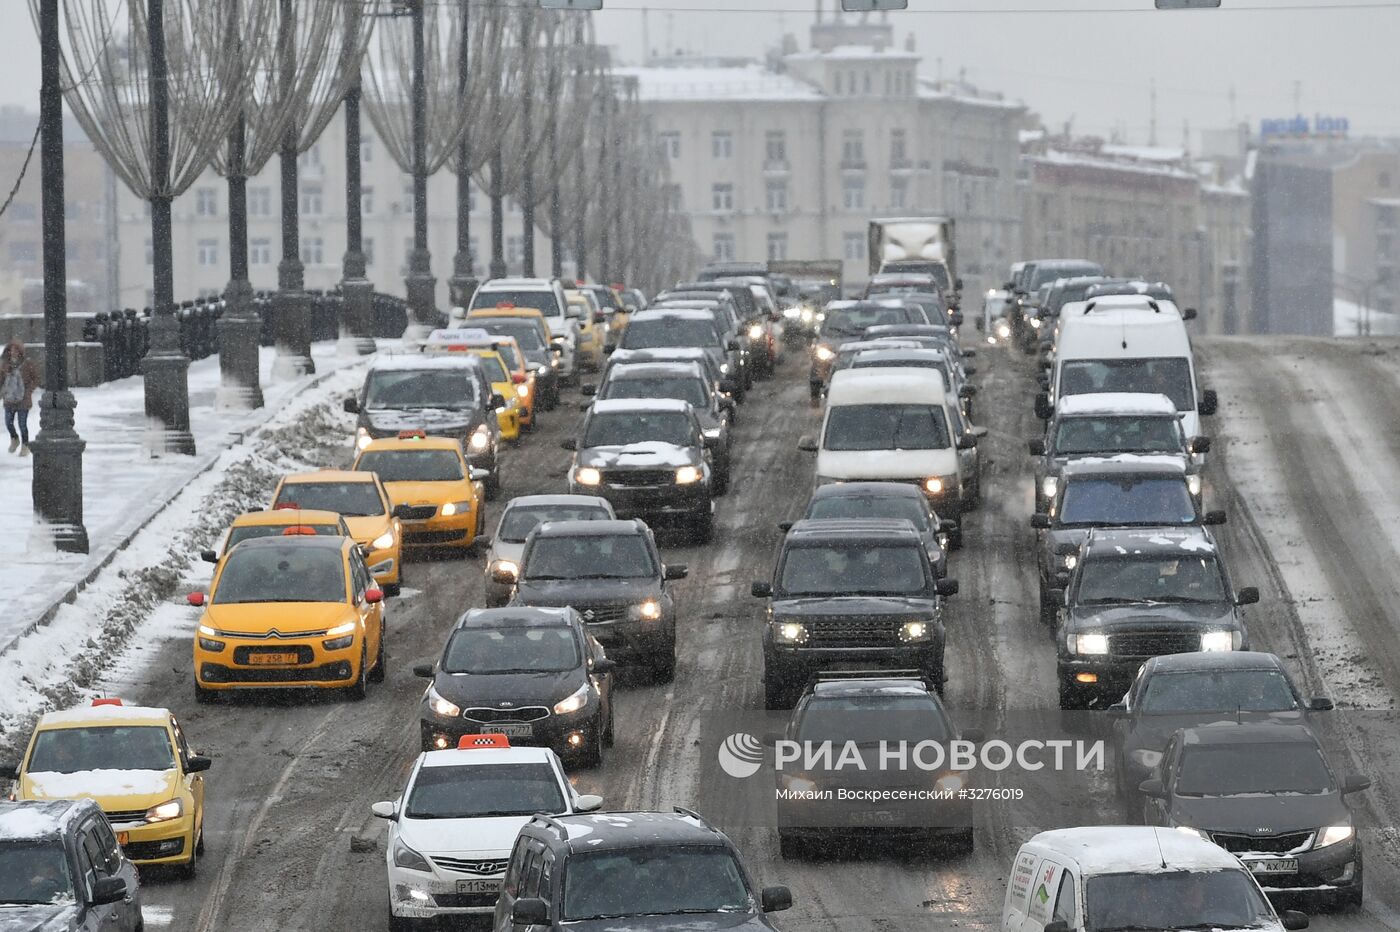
x=476 y=742
x=299 y=530
x=518 y=378
x=413 y=435
x=286 y=506
x=111 y=701
x=506 y=304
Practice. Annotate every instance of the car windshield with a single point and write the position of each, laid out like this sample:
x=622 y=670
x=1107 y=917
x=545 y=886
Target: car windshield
x=495 y=371
x=1170 y=376
x=412 y=465
x=110 y=747
x=542 y=301
x=645 y=882
x=509 y=354
x=589 y=556
x=1077 y=436
x=868 y=360
x=1252 y=769
x=872 y=719
x=519 y=649
x=870 y=506
x=351 y=499
x=1218 y=691
x=619 y=428
x=253 y=531
x=1174 y=900
x=684 y=388
x=853 y=569
x=289 y=572
x=1114 y=502
x=520 y=520
x=650 y=333
x=478 y=791
x=33 y=873
x=886 y=427
x=1177 y=579
x=407 y=389
x=853 y=320
x=525 y=333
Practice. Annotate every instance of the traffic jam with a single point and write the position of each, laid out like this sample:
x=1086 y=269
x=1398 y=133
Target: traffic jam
x=1238 y=815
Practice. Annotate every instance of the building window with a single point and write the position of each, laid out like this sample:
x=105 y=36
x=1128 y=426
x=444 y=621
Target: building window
x=899 y=192
x=867 y=82
x=670 y=144
x=853 y=193
x=852 y=148
x=367 y=249
x=775 y=146
x=724 y=247
x=366 y=149
x=311 y=156
x=777 y=247
x=366 y=201
x=515 y=249
x=311 y=200
x=206 y=202
x=777 y=195
x=29 y=252
x=854 y=245
x=260 y=202
x=313 y=250
x=722 y=196
x=899 y=147
x=722 y=145
x=260 y=251
x=208 y=252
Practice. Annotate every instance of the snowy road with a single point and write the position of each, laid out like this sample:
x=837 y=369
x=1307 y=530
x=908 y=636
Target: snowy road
x=1315 y=451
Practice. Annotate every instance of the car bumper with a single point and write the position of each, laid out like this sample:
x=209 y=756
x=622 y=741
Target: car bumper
x=632 y=502
x=415 y=895
x=796 y=665
x=634 y=641
x=457 y=530
x=1109 y=674
x=159 y=843
x=1329 y=870
x=315 y=666
x=566 y=735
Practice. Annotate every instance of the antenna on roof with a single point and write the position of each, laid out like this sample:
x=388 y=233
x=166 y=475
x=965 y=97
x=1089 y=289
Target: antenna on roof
x=1156 y=836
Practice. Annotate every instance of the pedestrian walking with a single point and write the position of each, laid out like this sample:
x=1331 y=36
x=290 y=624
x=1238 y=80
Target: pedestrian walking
x=18 y=379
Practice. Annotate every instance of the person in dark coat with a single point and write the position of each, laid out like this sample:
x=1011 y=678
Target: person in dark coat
x=18 y=379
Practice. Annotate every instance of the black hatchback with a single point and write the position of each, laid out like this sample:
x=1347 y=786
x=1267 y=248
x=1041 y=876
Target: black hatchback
x=533 y=674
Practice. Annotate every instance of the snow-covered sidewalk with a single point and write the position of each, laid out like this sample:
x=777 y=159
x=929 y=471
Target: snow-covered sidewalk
x=122 y=487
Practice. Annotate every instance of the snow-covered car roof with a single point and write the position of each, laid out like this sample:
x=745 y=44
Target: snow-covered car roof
x=518 y=284
x=561 y=499
x=455 y=757
x=890 y=385
x=415 y=361
x=1118 y=849
x=105 y=714
x=678 y=313
x=29 y=819
x=1158 y=541
x=1115 y=403
x=1123 y=464
x=635 y=405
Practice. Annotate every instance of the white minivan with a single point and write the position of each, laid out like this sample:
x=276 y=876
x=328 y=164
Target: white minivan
x=1127 y=344
x=1133 y=877
x=895 y=425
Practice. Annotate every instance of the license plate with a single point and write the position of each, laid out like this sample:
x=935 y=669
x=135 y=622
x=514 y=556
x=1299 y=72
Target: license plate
x=511 y=731
x=478 y=886
x=123 y=837
x=1275 y=866
x=271 y=658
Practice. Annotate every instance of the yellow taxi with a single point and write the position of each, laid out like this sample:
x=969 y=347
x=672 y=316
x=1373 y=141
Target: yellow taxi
x=359 y=498
x=430 y=483
x=136 y=764
x=291 y=611
x=584 y=306
x=270 y=523
x=521 y=385
x=608 y=298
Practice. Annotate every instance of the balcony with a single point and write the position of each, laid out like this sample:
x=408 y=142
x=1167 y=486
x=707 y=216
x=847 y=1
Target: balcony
x=901 y=167
x=853 y=165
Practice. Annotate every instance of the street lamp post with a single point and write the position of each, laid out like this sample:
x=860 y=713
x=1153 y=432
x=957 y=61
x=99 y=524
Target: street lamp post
x=463 y=281
x=419 y=283
x=357 y=328
x=57 y=484
x=527 y=181
x=239 y=325
x=498 y=220
x=291 y=305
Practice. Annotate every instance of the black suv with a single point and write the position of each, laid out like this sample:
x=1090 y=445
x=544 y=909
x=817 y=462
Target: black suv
x=649 y=458
x=1137 y=594
x=622 y=871
x=837 y=500
x=850 y=591
x=727 y=319
x=611 y=572
x=535 y=675
x=688 y=327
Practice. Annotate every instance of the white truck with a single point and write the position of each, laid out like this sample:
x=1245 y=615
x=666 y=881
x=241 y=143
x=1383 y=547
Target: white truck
x=915 y=244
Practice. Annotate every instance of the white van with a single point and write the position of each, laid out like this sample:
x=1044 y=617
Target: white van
x=1133 y=877
x=894 y=425
x=1127 y=344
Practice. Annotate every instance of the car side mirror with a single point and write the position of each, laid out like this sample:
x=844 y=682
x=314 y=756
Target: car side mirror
x=1153 y=789
x=1118 y=710
x=600 y=317
x=1355 y=783
x=568 y=444
x=967 y=442
x=1059 y=925
x=604 y=665
x=198 y=763
x=374 y=595
x=424 y=670
x=785 y=526
x=1210 y=402
x=955 y=318
x=497 y=401
x=731 y=344
x=1040 y=521
x=807 y=443
x=675 y=571
x=776 y=899
x=1036 y=447
x=1188 y=313
x=196 y=599
x=588 y=803
x=108 y=890
x=503 y=576
x=588 y=389
x=946 y=587
x=1292 y=919
x=530 y=911
x=1057 y=595
x=558 y=350
x=209 y=556
x=1320 y=704
x=761 y=590
x=1214 y=517
x=967 y=391
x=1249 y=595
x=352 y=405
x=1042 y=406
x=385 y=809
x=402 y=511
x=1200 y=445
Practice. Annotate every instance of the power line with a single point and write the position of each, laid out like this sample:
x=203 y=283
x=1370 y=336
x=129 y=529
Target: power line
x=38 y=129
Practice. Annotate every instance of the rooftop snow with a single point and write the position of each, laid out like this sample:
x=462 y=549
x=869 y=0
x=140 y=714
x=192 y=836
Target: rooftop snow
x=1077 y=159
x=643 y=405
x=1136 y=849
x=410 y=361
x=749 y=82
x=98 y=713
x=1117 y=403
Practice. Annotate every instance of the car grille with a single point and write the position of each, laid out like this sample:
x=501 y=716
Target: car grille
x=639 y=477
x=1153 y=643
x=529 y=713
x=853 y=631
x=1263 y=844
x=151 y=850
x=274 y=634
x=483 y=868
x=127 y=815
x=242 y=655
x=603 y=614
x=465 y=900
x=419 y=512
x=432 y=537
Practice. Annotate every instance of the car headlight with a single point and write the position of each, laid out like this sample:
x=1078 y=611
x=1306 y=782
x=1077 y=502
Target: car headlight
x=456 y=508
x=383 y=541
x=587 y=475
x=171 y=809
x=1003 y=330
x=576 y=700
x=339 y=643
x=915 y=631
x=1220 y=640
x=724 y=368
x=211 y=632
x=711 y=433
x=949 y=783
x=362 y=438
x=650 y=610
x=407 y=858
x=1035 y=323
x=505 y=566
x=480 y=439
x=541 y=369
x=1069 y=561
x=825 y=353
x=791 y=312
x=1193 y=484
x=1091 y=643
x=347 y=627
x=211 y=645
x=441 y=706
x=791 y=632
x=756 y=332
x=934 y=485
x=523 y=389
x=1194 y=832
x=1333 y=835
x=554 y=363
x=1049 y=486
x=687 y=475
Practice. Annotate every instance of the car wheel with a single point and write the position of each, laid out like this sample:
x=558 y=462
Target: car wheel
x=199 y=845
x=492 y=485
x=591 y=756
x=609 y=733
x=357 y=690
x=955 y=537
x=190 y=868
x=380 y=668
x=815 y=389
x=791 y=847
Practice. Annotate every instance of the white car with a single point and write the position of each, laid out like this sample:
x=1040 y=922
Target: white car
x=545 y=295
x=520 y=516
x=452 y=829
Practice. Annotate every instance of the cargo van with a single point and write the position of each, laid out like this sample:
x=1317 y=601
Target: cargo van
x=1133 y=877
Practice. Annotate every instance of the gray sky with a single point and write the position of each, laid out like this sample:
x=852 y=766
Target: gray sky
x=1093 y=67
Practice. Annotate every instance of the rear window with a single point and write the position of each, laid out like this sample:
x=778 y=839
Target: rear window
x=669 y=331
x=351 y=499
x=1131 y=500
x=542 y=301
x=412 y=465
x=253 y=531
x=855 y=320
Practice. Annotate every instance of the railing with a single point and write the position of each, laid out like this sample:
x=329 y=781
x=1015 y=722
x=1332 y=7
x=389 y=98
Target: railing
x=124 y=334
